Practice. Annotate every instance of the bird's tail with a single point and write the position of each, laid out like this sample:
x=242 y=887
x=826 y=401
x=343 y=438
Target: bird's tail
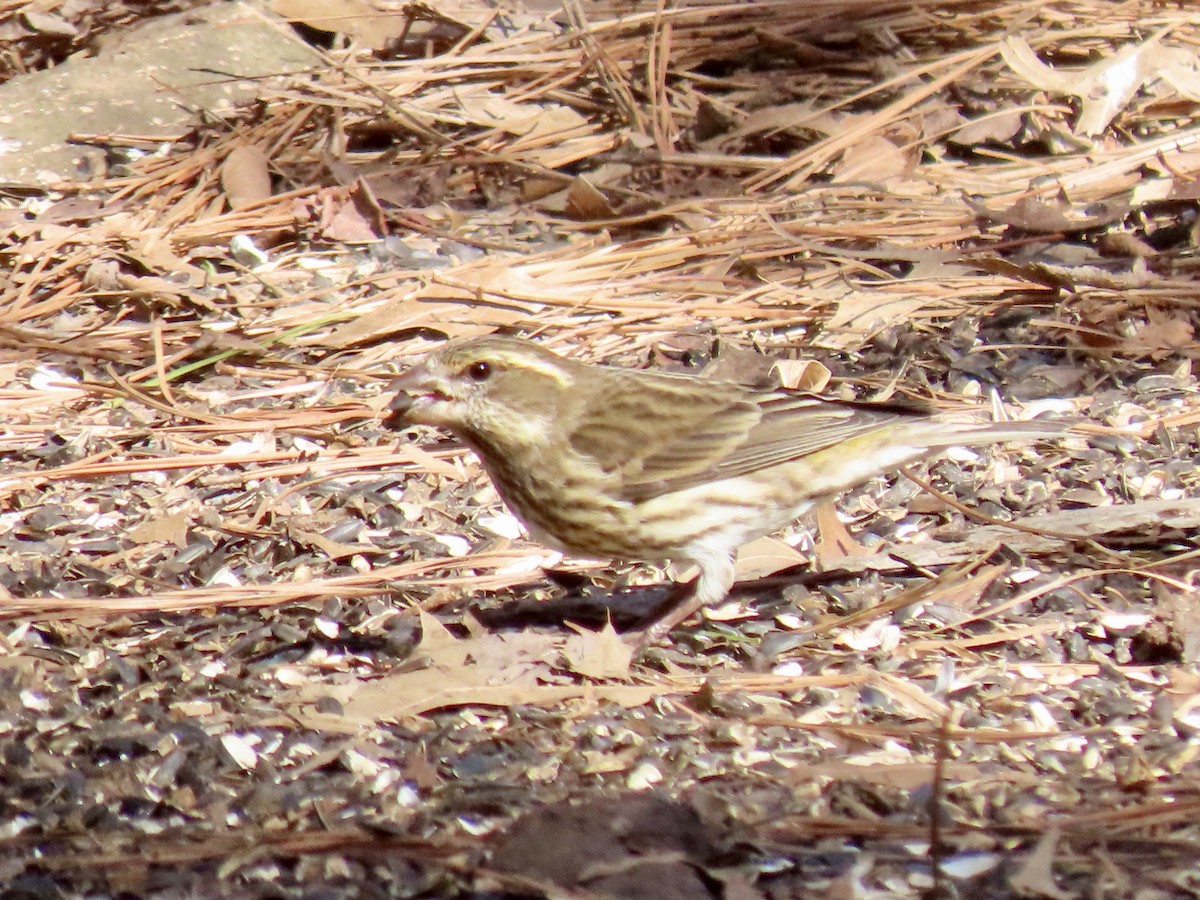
x=942 y=433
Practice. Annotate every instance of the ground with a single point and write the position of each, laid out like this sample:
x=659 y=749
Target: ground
x=257 y=643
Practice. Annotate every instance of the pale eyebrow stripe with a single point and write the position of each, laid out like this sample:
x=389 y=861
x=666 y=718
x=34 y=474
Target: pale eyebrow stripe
x=548 y=369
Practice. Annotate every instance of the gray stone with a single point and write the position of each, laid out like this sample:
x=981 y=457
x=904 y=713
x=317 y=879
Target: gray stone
x=150 y=80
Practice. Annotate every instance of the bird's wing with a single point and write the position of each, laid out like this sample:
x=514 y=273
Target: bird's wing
x=691 y=432
x=795 y=425
x=651 y=431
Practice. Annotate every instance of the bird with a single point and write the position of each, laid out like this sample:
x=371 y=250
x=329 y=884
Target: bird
x=636 y=465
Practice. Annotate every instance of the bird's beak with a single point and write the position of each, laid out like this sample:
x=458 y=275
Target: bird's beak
x=398 y=409
x=415 y=389
x=406 y=387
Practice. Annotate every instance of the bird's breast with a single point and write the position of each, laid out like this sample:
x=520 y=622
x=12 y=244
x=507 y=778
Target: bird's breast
x=566 y=503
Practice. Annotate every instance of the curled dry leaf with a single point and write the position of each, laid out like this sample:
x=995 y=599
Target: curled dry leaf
x=803 y=374
x=246 y=177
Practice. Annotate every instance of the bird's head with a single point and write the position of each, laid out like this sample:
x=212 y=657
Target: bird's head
x=493 y=388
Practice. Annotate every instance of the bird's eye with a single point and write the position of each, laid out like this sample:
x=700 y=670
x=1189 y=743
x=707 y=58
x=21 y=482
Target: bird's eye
x=479 y=371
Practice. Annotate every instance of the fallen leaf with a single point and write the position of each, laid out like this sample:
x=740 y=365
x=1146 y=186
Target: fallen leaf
x=48 y=23
x=598 y=654
x=1164 y=334
x=460 y=317
x=171 y=529
x=992 y=128
x=371 y=27
x=492 y=110
x=1036 y=877
x=802 y=374
x=484 y=669
x=332 y=549
x=246 y=176
x=1103 y=88
x=835 y=543
x=873 y=159
x=587 y=204
x=350 y=214
x=765 y=556
x=1039 y=216
x=858 y=313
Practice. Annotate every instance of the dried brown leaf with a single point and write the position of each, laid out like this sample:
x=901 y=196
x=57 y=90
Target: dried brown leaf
x=246 y=176
x=873 y=159
x=1164 y=334
x=587 y=204
x=168 y=529
x=803 y=374
x=765 y=556
x=527 y=120
x=372 y=27
x=993 y=128
x=348 y=214
x=1040 y=216
x=835 y=543
x=598 y=654
x=1036 y=877
x=484 y=669
x=332 y=549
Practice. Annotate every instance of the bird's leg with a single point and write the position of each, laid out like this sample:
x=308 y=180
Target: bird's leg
x=681 y=602
x=710 y=586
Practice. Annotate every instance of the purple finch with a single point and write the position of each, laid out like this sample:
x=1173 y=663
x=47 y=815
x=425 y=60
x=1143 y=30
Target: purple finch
x=615 y=463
